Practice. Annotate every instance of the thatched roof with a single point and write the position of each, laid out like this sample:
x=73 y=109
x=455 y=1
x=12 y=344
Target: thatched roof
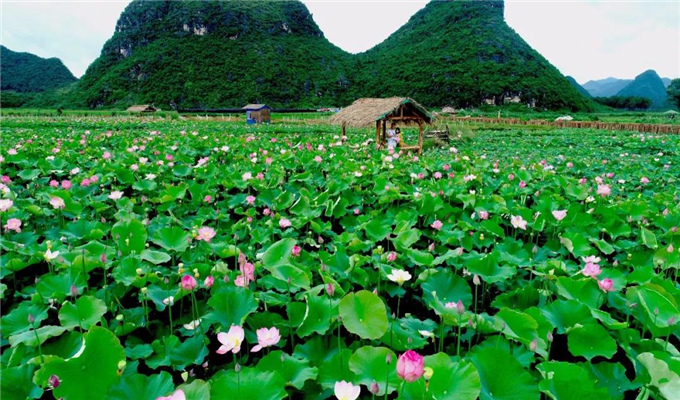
x=255 y=107
x=142 y=108
x=364 y=112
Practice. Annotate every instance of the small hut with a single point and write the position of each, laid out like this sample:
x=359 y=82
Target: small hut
x=142 y=109
x=377 y=112
x=258 y=113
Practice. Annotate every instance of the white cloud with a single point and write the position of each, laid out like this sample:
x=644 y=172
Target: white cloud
x=585 y=39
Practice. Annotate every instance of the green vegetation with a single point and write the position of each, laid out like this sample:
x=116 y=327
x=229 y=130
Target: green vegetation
x=648 y=84
x=625 y=103
x=28 y=73
x=508 y=265
x=673 y=91
x=226 y=54
x=578 y=87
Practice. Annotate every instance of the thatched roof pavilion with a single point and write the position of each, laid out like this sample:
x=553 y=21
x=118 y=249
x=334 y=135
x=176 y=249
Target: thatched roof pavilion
x=142 y=108
x=376 y=112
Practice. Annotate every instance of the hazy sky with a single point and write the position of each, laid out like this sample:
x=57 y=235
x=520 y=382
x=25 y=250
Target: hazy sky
x=587 y=39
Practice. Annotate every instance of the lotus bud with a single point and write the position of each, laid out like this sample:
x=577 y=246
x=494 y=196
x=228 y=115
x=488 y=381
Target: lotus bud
x=205 y=365
x=409 y=340
x=330 y=289
x=121 y=365
x=74 y=291
x=53 y=381
x=427 y=373
x=102 y=258
x=549 y=336
x=460 y=308
x=671 y=321
x=475 y=280
x=144 y=290
x=237 y=368
x=374 y=388
x=656 y=311
x=119 y=317
x=388 y=359
x=533 y=345
x=139 y=271
x=31 y=319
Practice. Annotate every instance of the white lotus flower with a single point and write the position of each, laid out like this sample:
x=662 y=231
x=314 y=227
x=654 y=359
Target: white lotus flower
x=399 y=276
x=51 y=255
x=346 y=391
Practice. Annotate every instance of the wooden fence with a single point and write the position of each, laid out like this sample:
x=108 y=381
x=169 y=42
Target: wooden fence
x=643 y=128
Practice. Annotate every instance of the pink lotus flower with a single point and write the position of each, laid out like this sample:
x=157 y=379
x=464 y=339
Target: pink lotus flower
x=57 y=203
x=5 y=204
x=522 y=184
x=570 y=165
x=606 y=285
x=391 y=256
x=346 y=391
x=206 y=234
x=177 y=395
x=247 y=176
x=518 y=222
x=437 y=225
x=169 y=157
x=318 y=159
x=266 y=211
x=446 y=167
x=106 y=155
x=231 y=341
x=644 y=180
x=592 y=270
x=188 y=283
x=66 y=184
x=296 y=251
x=410 y=366
x=438 y=175
x=94 y=178
x=265 y=338
x=356 y=211
x=250 y=200
x=209 y=281
x=284 y=223
x=559 y=214
x=134 y=167
x=85 y=182
x=13 y=224
x=604 y=190
x=259 y=176
x=54 y=183
x=330 y=289
x=208 y=199
x=483 y=215
x=511 y=177
x=5 y=179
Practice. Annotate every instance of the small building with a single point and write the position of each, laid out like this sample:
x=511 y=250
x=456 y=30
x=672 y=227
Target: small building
x=377 y=112
x=142 y=109
x=258 y=113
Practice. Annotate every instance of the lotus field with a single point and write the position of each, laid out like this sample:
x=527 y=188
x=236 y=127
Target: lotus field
x=198 y=260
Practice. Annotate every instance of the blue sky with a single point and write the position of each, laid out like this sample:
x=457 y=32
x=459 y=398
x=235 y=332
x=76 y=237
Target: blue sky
x=585 y=39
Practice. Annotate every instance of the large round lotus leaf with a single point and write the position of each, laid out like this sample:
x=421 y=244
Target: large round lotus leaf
x=456 y=380
x=447 y=287
x=141 y=387
x=370 y=365
x=294 y=371
x=590 y=341
x=86 y=312
x=231 y=306
x=363 y=313
x=247 y=384
x=196 y=390
x=502 y=377
x=565 y=381
x=172 y=239
x=663 y=376
x=93 y=373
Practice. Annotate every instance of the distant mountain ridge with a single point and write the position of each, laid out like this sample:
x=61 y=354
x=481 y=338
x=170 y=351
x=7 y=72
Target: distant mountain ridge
x=608 y=87
x=578 y=87
x=224 y=54
x=648 y=84
x=28 y=73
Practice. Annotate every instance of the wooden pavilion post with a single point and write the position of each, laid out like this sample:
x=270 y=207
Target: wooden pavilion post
x=420 y=136
x=377 y=134
x=343 y=131
x=384 y=132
